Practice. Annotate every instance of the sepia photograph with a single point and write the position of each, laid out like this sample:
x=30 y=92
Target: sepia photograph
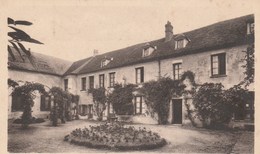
x=142 y=76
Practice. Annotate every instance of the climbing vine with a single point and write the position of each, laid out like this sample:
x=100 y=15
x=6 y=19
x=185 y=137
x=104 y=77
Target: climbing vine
x=189 y=93
x=27 y=93
x=158 y=95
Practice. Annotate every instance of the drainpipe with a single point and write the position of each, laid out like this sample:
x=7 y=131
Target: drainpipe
x=159 y=66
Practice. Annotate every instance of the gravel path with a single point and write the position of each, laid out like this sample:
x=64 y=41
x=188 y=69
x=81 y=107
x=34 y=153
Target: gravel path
x=44 y=138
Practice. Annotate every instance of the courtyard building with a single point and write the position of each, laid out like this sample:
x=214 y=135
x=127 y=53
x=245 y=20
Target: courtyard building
x=213 y=53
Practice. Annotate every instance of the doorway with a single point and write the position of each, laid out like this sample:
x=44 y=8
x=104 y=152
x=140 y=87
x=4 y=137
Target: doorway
x=177 y=111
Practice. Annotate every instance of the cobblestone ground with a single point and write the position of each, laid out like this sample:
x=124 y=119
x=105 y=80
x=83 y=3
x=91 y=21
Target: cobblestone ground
x=44 y=138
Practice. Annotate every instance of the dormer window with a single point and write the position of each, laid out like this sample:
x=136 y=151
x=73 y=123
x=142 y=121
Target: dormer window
x=148 y=51
x=105 y=61
x=181 y=41
x=250 y=28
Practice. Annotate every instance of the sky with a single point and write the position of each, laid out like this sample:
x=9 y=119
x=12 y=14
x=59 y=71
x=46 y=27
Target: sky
x=71 y=30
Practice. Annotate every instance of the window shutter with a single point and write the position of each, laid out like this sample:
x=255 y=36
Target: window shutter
x=222 y=64
x=142 y=75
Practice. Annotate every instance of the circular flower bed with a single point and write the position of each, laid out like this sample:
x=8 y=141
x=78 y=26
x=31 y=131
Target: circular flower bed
x=115 y=136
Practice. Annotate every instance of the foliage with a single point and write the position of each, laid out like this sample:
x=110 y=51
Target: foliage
x=189 y=93
x=17 y=36
x=61 y=107
x=250 y=65
x=116 y=136
x=33 y=120
x=26 y=92
x=99 y=99
x=121 y=99
x=190 y=75
x=12 y=83
x=158 y=95
x=215 y=105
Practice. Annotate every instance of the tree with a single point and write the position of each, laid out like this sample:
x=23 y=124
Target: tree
x=99 y=99
x=121 y=99
x=17 y=36
x=158 y=95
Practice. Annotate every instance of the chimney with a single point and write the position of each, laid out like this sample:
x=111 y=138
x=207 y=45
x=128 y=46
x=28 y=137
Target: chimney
x=95 y=52
x=168 y=31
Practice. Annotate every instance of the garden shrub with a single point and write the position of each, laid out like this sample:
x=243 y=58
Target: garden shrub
x=211 y=106
x=99 y=100
x=32 y=121
x=121 y=99
x=115 y=136
x=61 y=107
x=216 y=106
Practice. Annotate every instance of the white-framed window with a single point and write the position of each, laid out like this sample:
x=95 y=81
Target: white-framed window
x=101 y=80
x=112 y=79
x=91 y=82
x=180 y=43
x=139 y=75
x=148 y=51
x=250 y=28
x=218 y=64
x=177 y=71
x=140 y=106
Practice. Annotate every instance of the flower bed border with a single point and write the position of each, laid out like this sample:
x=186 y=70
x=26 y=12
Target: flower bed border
x=115 y=146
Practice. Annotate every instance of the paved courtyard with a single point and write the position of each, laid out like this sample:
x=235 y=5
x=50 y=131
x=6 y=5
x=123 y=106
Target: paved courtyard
x=44 y=138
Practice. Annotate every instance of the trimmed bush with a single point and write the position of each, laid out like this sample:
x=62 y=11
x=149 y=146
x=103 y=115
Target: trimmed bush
x=32 y=121
x=115 y=136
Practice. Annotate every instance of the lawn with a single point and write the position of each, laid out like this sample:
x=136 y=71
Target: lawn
x=44 y=138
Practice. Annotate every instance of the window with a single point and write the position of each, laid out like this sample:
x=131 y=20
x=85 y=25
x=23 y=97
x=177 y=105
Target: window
x=45 y=103
x=17 y=103
x=112 y=79
x=66 y=82
x=218 y=64
x=140 y=106
x=177 y=70
x=139 y=75
x=181 y=43
x=148 y=51
x=91 y=82
x=101 y=80
x=250 y=28
x=83 y=83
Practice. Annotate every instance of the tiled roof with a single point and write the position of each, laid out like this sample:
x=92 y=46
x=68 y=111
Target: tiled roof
x=216 y=36
x=219 y=35
x=38 y=63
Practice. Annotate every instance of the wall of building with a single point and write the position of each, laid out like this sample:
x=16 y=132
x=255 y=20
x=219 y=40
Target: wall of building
x=200 y=64
x=128 y=73
x=45 y=79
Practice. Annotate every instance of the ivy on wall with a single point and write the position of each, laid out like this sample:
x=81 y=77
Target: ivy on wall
x=158 y=95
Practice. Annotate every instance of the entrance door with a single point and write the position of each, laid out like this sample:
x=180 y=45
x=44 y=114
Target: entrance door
x=177 y=111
